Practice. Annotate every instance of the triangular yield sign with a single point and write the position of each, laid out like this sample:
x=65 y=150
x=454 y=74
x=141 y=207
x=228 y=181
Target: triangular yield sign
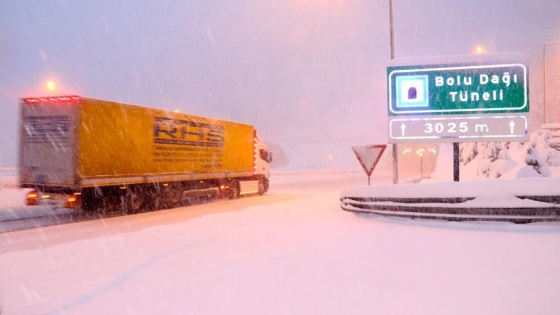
x=369 y=155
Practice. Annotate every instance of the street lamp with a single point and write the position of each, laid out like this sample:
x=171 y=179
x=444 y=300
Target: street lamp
x=421 y=152
x=50 y=85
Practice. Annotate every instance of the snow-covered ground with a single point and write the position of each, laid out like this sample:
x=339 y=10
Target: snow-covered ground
x=292 y=251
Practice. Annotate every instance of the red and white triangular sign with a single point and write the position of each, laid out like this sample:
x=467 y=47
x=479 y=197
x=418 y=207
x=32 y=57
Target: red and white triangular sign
x=369 y=155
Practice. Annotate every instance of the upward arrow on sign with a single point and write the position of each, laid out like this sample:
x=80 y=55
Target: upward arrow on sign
x=369 y=155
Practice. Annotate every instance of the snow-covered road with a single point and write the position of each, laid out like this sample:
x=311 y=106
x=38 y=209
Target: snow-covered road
x=293 y=251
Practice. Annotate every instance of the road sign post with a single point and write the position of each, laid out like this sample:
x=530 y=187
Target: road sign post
x=478 y=102
x=458 y=103
x=368 y=156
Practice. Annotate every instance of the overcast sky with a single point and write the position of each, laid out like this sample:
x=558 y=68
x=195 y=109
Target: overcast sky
x=300 y=71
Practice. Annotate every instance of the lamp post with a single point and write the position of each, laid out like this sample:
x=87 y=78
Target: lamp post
x=544 y=76
x=391 y=34
x=420 y=153
x=395 y=146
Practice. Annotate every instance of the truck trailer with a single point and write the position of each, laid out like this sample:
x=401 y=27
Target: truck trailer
x=93 y=154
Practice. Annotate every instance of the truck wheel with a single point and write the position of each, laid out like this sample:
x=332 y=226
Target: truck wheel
x=234 y=190
x=263 y=186
x=132 y=201
x=92 y=200
x=152 y=198
x=171 y=197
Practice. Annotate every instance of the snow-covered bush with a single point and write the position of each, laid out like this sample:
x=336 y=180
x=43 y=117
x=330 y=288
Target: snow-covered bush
x=551 y=156
x=495 y=151
x=541 y=142
x=494 y=159
x=538 y=163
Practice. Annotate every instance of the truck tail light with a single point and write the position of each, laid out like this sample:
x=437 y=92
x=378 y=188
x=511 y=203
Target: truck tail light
x=32 y=198
x=72 y=201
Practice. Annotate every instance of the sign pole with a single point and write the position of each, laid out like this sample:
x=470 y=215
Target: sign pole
x=456 y=161
x=395 y=164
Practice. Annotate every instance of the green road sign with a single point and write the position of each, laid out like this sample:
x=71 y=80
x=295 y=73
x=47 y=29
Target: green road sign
x=457 y=89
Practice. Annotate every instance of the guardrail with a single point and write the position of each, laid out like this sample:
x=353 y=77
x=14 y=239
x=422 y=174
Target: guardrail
x=454 y=209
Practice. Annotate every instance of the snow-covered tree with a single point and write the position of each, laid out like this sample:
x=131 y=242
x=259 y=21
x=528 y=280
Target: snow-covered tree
x=493 y=159
x=541 y=142
x=538 y=163
x=551 y=156
x=467 y=152
x=493 y=163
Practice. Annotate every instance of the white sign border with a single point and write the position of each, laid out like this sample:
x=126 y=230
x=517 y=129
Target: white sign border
x=457 y=110
x=459 y=138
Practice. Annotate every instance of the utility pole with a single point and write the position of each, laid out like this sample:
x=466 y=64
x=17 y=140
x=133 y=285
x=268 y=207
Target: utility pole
x=395 y=146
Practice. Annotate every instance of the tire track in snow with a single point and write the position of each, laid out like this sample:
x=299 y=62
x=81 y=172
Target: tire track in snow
x=124 y=277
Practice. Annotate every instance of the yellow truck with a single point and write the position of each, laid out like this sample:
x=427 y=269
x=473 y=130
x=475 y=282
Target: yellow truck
x=94 y=154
